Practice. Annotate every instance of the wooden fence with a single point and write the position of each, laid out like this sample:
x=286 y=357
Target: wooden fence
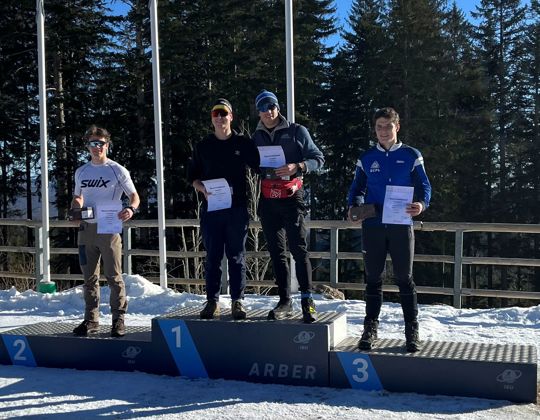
x=334 y=255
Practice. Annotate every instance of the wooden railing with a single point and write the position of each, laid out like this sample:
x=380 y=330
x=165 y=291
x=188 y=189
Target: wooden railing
x=333 y=255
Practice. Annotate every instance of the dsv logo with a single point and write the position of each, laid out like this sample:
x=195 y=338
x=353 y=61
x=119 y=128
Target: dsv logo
x=304 y=337
x=94 y=183
x=509 y=376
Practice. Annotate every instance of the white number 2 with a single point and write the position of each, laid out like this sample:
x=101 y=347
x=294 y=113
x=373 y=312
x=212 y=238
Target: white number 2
x=22 y=347
x=362 y=370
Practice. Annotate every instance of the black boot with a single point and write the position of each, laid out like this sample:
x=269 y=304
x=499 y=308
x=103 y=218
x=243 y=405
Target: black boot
x=412 y=336
x=309 y=313
x=118 y=328
x=211 y=310
x=369 y=336
x=282 y=310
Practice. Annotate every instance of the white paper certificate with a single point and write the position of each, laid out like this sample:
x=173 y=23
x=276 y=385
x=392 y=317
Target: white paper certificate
x=219 y=194
x=271 y=156
x=107 y=218
x=395 y=205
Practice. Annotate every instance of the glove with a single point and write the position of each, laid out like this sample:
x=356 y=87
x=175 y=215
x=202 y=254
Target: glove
x=363 y=211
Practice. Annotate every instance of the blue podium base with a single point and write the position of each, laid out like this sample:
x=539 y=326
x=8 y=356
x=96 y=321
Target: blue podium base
x=284 y=352
x=507 y=372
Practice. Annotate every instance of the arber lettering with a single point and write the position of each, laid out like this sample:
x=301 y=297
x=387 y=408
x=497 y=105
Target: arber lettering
x=283 y=370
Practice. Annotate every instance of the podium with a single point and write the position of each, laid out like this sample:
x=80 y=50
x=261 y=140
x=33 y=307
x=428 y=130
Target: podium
x=504 y=371
x=283 y=352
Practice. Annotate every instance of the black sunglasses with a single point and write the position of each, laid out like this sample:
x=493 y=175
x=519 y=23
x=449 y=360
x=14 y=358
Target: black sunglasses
x=96 y=143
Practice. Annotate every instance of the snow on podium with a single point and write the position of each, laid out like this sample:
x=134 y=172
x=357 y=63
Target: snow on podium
x=284 y=352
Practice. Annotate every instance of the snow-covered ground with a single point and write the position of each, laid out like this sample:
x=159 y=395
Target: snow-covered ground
x=64 y=393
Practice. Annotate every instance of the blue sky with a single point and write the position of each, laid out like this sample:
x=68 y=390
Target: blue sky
x=343 y=7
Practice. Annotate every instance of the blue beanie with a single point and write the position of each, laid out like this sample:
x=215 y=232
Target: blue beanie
x=264 y=99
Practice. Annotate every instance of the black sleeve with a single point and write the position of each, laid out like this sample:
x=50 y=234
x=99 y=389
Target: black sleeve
x=253 y=159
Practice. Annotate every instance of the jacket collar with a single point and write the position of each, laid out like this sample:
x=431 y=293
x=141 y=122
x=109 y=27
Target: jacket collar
x=392 y=149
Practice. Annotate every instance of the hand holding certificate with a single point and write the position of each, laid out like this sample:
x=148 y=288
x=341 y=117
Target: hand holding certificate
x=395 y=205
x=219 y=194
x=107 y=218
x=271 y=156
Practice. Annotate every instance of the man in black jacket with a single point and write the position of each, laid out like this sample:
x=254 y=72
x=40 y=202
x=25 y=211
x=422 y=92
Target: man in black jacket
x=224 y=155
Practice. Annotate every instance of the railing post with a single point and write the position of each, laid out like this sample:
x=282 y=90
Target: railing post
x=334 y=264
x=224 y=276
x=38 y=259
x=126 y=243
x=458 y=268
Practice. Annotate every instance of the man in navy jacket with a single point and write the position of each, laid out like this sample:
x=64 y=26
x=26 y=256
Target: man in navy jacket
x=281 y=206
x=388 y=163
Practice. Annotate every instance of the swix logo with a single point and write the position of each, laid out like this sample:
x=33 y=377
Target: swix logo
x=95 y=183
x=375 y=167
x=400 y=161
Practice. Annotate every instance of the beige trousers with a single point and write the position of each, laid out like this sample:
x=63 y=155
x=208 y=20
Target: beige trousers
x=94 y=247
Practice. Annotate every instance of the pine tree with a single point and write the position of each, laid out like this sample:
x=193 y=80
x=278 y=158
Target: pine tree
x=77 y=35
x=18 y=107
x=356 y=81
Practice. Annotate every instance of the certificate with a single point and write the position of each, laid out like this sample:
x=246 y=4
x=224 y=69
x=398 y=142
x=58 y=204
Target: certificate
x=107 y=218
x=271 y=156
x=219 y=194
x=395 y=205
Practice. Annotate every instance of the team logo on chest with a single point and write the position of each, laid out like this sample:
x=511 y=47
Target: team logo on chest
x=375 y=167
x=95 y=183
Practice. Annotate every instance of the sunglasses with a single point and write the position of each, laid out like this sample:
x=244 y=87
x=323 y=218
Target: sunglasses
x=266 y=107
x=97 y=143
x=219 y=113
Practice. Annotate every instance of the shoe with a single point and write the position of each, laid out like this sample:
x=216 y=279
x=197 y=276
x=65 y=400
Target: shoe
x=282 y=310
x=369 y=336
x=237 y=310
x=85 y=328
x=412 y=337
x=210 y=310
x=309 y=314
x=118 y=328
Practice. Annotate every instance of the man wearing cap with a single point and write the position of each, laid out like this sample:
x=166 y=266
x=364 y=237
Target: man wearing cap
x=224 y=154
x=101 y=182
x=281 y=207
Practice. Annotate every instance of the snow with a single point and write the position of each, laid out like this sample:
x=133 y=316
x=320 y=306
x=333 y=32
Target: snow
x=65 y=393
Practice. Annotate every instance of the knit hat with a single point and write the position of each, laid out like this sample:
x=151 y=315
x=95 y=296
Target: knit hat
x=222 y=103
x=265 y=99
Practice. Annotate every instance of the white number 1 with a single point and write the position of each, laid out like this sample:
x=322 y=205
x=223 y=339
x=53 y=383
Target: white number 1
x=177 y=331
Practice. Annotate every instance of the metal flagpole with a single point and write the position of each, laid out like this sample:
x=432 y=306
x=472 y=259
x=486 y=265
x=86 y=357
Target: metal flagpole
x=45 y=283
x=159 y=144
x=289 y=53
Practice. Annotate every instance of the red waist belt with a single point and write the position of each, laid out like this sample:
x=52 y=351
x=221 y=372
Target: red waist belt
x=272 y=188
